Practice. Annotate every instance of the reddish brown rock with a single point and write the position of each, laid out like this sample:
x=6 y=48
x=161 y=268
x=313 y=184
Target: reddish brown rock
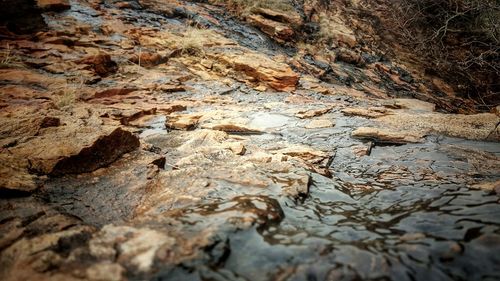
x=279 y=31
x=101 y=64
x=54 y=5
x=260 y=68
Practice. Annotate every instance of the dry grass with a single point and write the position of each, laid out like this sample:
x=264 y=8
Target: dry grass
x=193 y=41
x=248 y=6
x=8 y=59
x=67 y=97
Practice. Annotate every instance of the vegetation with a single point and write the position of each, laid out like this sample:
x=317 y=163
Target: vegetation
x=193 y=41
x=459 y=38
x=247 y=6
x=8 y=59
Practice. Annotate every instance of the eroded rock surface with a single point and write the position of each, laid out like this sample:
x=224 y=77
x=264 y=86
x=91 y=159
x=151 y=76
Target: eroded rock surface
x=148 y=140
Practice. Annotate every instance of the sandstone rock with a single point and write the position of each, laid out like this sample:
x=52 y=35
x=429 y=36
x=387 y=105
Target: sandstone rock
x=387 y=135
x=54 y=5
x=279 y=31
x=260 y=68
x=75 y=150
x=14 y=174
x=297 y=184
x=312 y=112
x=320 y=123
x=371 y=112
x=410 y=104
x=105 y=271
x=488 y=186
x=303 y=152
x=477 y=127
x=183 y=122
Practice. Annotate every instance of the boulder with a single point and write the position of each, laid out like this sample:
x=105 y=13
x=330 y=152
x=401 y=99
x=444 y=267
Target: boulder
x=260 y=68
x=75 y=149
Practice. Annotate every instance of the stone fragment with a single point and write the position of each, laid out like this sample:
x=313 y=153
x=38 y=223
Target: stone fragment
x=101 y=64
x=371 y=112
x=276 y=75
x=320 y=123
x=312 y=112
x=183 y=122
x=387 y=135
x=277 y=30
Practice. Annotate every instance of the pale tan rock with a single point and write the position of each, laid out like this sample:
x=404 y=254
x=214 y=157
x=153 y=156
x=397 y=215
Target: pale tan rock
x=297 y=184
x=320 y=123
x=477 y=127
x=387 y=135
x=362 y=150
x=236 y=147
x=411 y=104
x=105 y=272
x=183 y=122
x=371 y=112
x=303 y=152
x=14 y=174
x=489 y=186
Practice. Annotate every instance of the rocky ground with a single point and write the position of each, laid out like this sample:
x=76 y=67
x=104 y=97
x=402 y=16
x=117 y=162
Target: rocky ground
x=178 y=140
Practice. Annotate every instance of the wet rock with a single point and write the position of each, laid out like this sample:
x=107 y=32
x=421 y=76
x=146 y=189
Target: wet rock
x=101 y=64
x=53 y=5
x=91 y=148
x=387 y=136
x=297 y=184
x=304 y=152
